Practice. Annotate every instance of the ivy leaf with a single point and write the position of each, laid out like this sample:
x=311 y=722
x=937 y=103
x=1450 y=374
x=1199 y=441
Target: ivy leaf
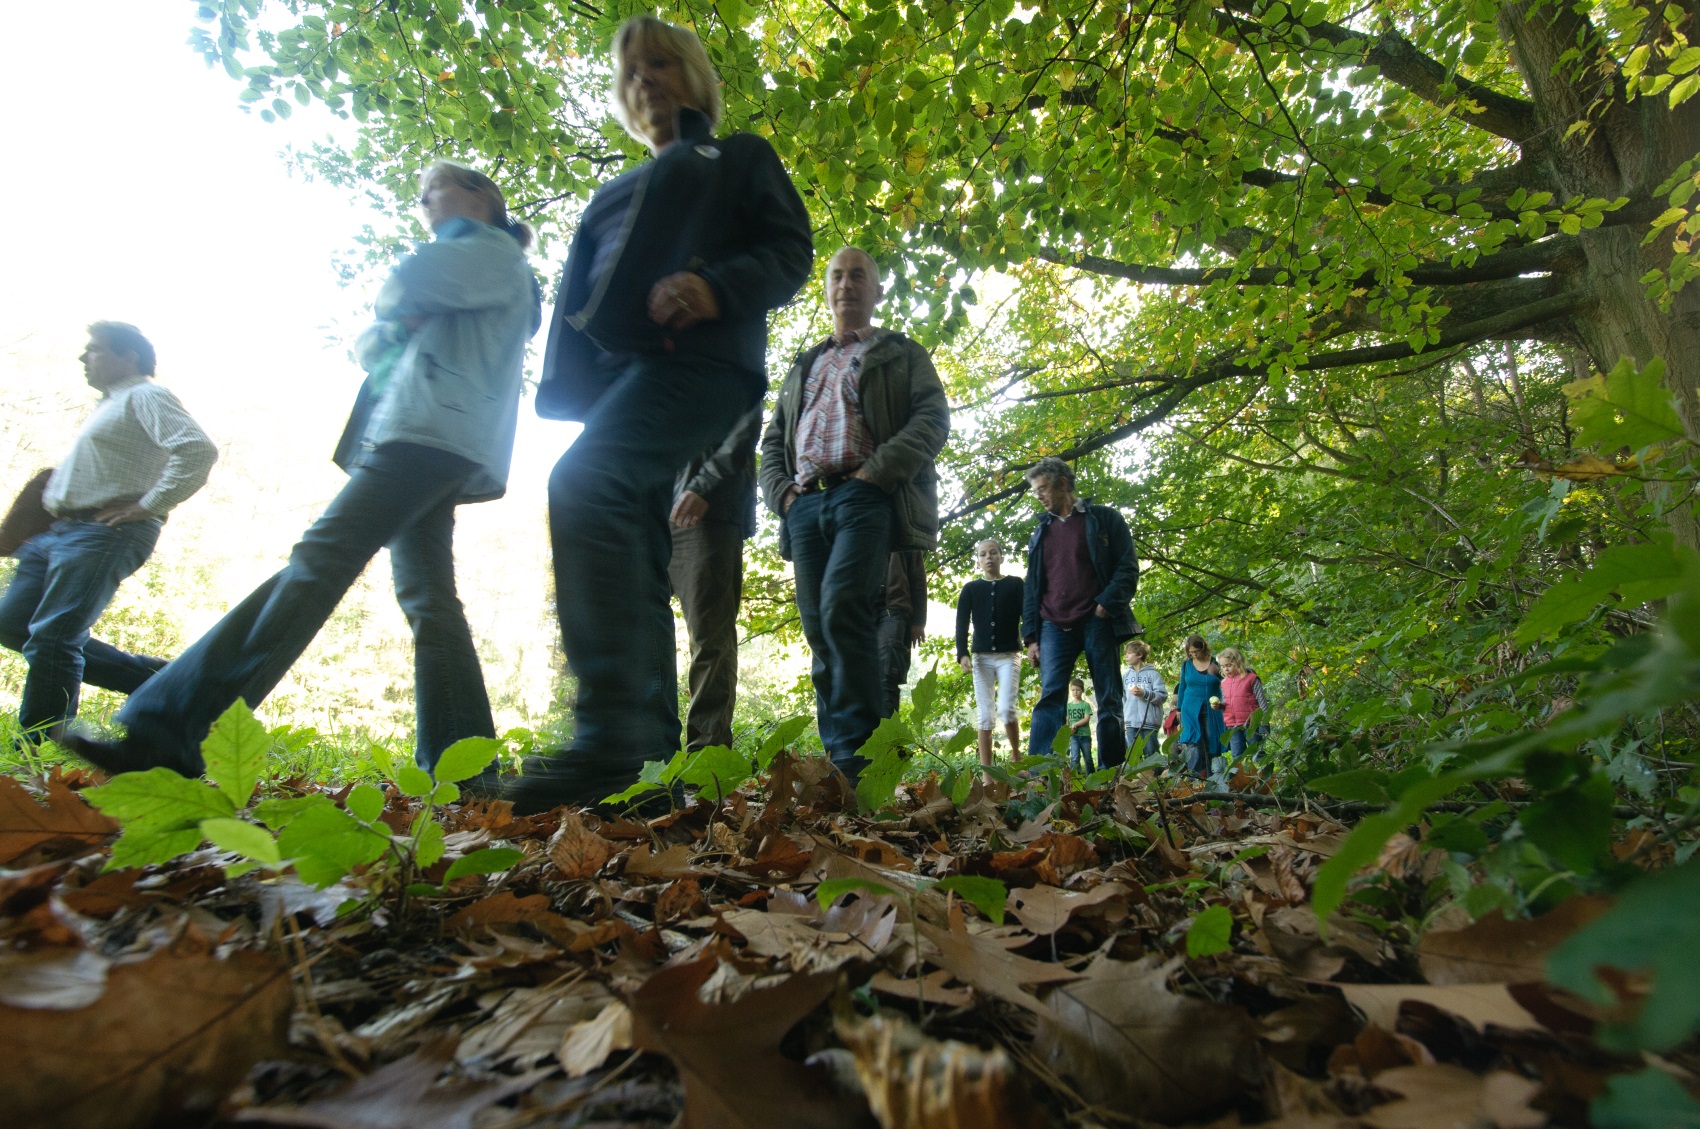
x=490 y=860
x=235 y=752
x=1627 y=407
x=1210 y=932
x=467 y=757
x=985 y=894
x=1654 y=927
x=243 y=838
x=159 y=799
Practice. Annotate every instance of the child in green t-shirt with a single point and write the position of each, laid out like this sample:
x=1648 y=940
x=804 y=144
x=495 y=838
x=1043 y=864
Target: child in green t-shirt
x=1077 y=712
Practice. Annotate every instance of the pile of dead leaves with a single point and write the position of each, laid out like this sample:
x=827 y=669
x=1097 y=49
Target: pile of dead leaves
x=679 y=970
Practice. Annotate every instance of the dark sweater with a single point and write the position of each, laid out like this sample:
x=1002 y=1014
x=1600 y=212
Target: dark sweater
x=1071 y=586
x=993 y=607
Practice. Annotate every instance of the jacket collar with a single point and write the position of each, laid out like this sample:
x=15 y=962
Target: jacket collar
x=692 y=125
x=1081 y=506
x=876 y=334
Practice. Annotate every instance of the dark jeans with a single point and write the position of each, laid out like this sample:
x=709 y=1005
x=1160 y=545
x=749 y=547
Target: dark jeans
x=707 y=573
x=403 y=498
x=1237 y=742
x=895 y=655
x=66 y=577
x=609 y=497
x=840 y=542
x=1059 y=647
x=1080 y=750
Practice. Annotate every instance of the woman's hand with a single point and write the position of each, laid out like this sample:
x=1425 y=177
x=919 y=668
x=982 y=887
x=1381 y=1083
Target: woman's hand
x=682 y=300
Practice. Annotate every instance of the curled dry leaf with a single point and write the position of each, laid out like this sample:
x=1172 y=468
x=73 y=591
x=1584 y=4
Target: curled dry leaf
x=576 y=850
x=173 y=1033
x=588 y=1044
x=401 y=1096
x=24 y=823
x=913 y=1082
x=1492 y=950
x=1126 y=1042
x=721 y=1048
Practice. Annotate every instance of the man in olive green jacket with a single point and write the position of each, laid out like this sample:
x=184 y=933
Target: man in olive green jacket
x=847 y=464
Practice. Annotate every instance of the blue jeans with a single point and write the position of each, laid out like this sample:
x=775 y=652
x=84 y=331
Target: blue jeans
x=65 y=579
x=1080 y=749
x=609 y=497
x=403 y=497
x=1143 y=742
x=840 y=544
x=1237 y=742
x=1059 y=647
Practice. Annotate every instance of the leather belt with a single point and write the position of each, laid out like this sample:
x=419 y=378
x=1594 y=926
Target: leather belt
x=827 y=482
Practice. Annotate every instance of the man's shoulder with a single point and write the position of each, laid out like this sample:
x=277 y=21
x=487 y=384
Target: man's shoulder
x=149 y=390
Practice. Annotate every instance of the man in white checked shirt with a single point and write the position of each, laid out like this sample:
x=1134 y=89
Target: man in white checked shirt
x=137 y=458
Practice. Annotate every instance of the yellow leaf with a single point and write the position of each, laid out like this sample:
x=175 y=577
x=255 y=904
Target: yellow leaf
x=1586 y=468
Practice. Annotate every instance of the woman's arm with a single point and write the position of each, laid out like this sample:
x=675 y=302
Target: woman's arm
x=447 y=275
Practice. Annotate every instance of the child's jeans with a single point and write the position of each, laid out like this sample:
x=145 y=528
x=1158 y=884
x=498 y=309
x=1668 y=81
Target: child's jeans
x=1150 y=736
x=1080 y=749
x=1237 y=742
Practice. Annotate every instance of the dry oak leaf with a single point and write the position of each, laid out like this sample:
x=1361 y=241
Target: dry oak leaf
x=1128 y=1043
x=1492 y=950
x=913 y=1082
x=674 y=862
x=728 y=1053
x=66 y=815
x=1046 y=909
x=588 y=1044
x=503 y=907
x=933 y=988
x=402 y=1096
x=1440 y=1095
x=576 y=850
x=171 y=1036
x=1477 y=1004
x=992 y=969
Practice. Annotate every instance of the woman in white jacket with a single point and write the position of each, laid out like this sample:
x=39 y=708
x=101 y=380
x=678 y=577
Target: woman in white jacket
x=1142 y=712
x=433 y=427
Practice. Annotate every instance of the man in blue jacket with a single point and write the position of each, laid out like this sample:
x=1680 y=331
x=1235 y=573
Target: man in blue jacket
x=1081 y=576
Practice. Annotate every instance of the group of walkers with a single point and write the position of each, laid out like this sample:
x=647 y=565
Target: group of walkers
x=656 y=344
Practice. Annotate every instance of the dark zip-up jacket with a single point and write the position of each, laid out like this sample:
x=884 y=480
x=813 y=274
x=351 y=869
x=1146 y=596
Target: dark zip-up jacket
x=725 y=477
x=1110 y=547
x=723 y=208
x=908 y=416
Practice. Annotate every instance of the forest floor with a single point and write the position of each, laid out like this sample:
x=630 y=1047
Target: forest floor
x=1138 y=955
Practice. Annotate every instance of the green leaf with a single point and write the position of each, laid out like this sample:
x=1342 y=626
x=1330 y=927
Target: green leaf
x=716 y=770
x=1643 y=572
x=649 y=779
x=243 y=838
x=885 y=749
x=1650 y=1099
x=414 y=781
x=235 y=751
x=1627 y=407
x=277 y=813
x=1210 y=932
x=467 y=757
x=985 y=894
x=1366 y=784
x=781 y=736
x=1654 y=928
x=364 y=802
x=923 y=700
x=159 y=798
x=828 y=892
x=326 y=843
x=141 y=845
x=428 y=846
x=490 y=860
x=1573 y=825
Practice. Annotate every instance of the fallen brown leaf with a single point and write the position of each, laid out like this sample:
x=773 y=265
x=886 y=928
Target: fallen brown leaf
x=1126 y=1042
x=1492 y=950
x=588 y=1044
x=728 y=1053
x=1479 y=1004
x=674 y=862
x=1438 y=1094
x=990 y=968
x=576 y=850
x=913 y=1082
x=173 y=1033
x=1046 y=909
x=24 y=823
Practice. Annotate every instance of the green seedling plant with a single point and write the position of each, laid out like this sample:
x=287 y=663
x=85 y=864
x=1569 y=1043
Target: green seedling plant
x=716 y=769
x=163 y=814
x=987 y=895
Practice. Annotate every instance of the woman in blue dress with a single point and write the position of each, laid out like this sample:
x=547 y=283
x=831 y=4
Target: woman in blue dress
x=1198 y=698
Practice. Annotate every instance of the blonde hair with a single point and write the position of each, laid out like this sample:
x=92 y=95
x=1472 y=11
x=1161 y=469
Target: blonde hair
x=646 y=33
x=1233 y=662
x=472 y=180
x=1138 y=648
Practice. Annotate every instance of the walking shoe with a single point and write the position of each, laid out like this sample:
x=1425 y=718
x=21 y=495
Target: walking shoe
x=110 y=756
x=575 y=778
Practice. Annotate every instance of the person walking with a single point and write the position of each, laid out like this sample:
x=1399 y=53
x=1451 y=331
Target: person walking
x=989 y=610
x=139 y=456
x=1198 y=698
x=1142 y=709
x=433 y=428
x=1243 y=697
x=658 y=345
x=1077 y=715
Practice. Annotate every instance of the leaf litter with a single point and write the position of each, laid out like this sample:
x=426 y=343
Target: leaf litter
x=680 y=970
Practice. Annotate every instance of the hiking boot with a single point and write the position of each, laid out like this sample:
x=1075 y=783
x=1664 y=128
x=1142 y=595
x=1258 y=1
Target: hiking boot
x=110 y=756
x=575 y=778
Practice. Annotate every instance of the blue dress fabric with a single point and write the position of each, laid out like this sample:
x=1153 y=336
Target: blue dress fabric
x=1201 y=724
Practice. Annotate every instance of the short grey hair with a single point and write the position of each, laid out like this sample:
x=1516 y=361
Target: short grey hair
x=1053 y=468
x=646 y=33
x=879 y=272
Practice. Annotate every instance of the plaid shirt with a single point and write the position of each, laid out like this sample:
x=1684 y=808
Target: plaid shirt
x=138 y=444
x=832 y=436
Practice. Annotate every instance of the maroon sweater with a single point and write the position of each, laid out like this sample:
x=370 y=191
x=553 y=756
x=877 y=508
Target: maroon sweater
x=1071 y=585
